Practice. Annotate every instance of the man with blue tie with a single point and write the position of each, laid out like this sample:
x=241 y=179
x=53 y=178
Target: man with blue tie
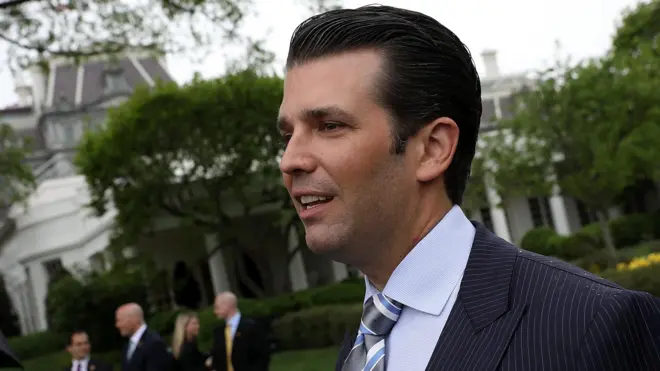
x=380 y=119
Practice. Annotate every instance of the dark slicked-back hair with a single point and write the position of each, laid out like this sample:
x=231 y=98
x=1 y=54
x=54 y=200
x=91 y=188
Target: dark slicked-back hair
x=428 y=73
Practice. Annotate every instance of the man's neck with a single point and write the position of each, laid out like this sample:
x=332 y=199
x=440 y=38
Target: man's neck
x=231 y=315
x=379 y=271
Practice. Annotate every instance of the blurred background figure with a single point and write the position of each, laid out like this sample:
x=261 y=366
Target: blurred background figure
x=184 y=344
x=80 y=348
x=240 y=344
x=145 y=350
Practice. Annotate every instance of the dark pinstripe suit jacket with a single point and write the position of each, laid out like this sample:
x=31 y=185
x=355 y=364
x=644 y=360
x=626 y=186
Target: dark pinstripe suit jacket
x=521 y=311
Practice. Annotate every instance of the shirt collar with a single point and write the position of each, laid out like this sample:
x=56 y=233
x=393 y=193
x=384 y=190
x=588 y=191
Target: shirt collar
x=82 y=361
x=138 y=334
x=234 y=320
x=426 y=277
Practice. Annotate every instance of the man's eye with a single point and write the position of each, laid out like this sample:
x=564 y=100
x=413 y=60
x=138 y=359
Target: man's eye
x=329 y=126
x=284 y=139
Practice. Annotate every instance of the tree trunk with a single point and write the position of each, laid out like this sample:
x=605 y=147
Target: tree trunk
x=610 y=249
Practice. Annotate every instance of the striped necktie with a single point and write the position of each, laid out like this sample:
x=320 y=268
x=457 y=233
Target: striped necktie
x=378 y=317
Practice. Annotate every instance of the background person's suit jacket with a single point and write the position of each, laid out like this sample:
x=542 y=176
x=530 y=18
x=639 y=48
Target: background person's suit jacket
x=150 y=355
x=250 y=349
x=519 y=311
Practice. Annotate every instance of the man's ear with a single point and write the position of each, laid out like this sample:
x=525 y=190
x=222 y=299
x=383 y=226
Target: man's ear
x=437 y=143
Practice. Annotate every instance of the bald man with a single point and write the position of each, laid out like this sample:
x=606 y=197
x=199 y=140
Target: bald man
x=240 y=337
x=145 y=350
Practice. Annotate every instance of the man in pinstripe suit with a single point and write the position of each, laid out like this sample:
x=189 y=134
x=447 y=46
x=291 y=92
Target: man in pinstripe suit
x=380 y=117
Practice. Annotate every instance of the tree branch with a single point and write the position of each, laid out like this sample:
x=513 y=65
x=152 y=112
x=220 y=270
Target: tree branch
x=13 y=3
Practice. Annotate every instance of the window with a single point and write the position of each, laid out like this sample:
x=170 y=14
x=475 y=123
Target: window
x=115 y=82
x=539 y=207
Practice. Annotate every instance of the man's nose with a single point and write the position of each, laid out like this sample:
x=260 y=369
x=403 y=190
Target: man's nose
x=297 y=156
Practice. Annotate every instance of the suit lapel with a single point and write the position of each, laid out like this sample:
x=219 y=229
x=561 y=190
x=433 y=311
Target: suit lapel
x=481 y=323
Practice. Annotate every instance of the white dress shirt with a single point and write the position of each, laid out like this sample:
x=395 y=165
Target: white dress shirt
x=427 y=282
x=134 y=340
x=82 y=362
x=233 y=323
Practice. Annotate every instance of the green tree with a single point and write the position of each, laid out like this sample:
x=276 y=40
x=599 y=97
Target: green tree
x=640 y=25
x=37 y=31
x=206 y=153
x=16 y=178
x=590 y=129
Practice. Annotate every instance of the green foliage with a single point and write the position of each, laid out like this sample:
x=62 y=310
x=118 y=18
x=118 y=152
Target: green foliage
x=640 y=25
x=37 y=344
x=641 y=279
x=597 y=261
x=16 y=178
x=629 y=230
x=538 y=240
x=575 y=246
x=37 y=31
x=316 y=327
x=591 y=129
x=205 y=153
x=90 y=304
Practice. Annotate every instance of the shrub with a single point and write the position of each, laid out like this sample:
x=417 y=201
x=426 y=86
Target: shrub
x=598 y=261
x=629 y=230
x=90 y=304
x=538 y=240
x=316 y=327
x=575 y=246
x=37 y=344
x=646 y=279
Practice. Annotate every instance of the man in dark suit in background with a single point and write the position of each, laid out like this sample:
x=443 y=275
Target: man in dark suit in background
x=80 y=348
x=380 y=116
x=145 y=350
x=7 y=357
x=240 y=343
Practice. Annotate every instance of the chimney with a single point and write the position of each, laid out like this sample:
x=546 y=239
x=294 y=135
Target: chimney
x=490 y=62
x=22 y=90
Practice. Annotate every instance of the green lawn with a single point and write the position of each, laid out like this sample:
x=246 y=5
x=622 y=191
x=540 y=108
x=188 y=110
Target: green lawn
x=306 y=360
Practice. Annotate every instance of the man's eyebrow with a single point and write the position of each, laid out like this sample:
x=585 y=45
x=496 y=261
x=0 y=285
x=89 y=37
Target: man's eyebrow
x=317 y=113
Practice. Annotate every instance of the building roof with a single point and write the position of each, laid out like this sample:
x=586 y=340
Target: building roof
x=79 y=85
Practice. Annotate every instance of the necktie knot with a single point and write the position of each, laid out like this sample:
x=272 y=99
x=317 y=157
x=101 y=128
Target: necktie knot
x=380 y=315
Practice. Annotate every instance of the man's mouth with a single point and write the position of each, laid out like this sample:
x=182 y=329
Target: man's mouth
x=309 y=202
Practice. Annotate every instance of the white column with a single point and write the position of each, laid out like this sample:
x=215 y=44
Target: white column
x=498 y=215
x=297 y=272
x=216 y=265
x=559 y=213
x=339 y=270
x=38 y=278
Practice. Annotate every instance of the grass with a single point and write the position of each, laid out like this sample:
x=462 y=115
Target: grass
x=303 y=360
